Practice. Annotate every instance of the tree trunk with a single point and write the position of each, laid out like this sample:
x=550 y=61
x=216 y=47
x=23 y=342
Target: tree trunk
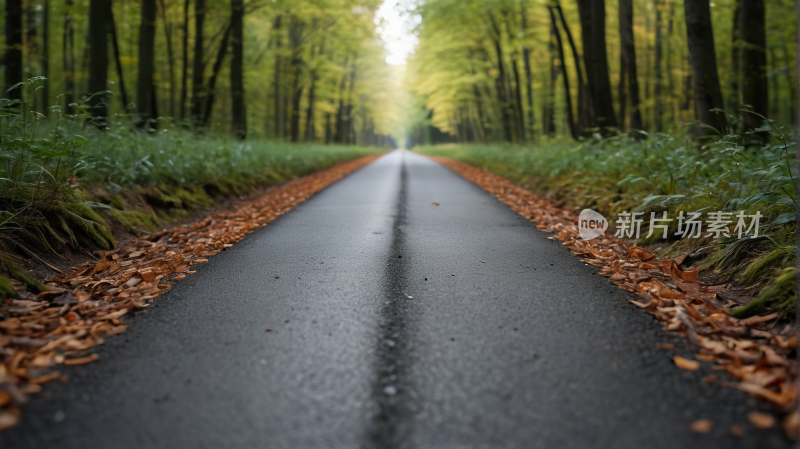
x=31 y=47
x=628 y=54
x=752 y=28
x=145 y=100
x=46 y=57
x=68 y=42
x=526 y=56
x=338 y=136
x=198 y=89
x=278 y=95
x=296 y=91
x=548 y=112
x=567 y=95
x=520 y=120
x=13 y=57
x=347 y=118
x=707 y=93
x=170 y=58
x=584 y=105
x=592 y=14
x=239 y=114
x=98 y=61
x=185 y=65
x=668 y=63
x=733 y=102
x=500 y=81
x=658 y=110
x=212 y=80
x=112 y=30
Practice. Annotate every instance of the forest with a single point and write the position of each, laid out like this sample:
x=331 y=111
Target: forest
x=523 y=71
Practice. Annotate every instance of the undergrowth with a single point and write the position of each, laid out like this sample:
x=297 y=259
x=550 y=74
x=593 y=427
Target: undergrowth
x=63 y=181
x=673 y=174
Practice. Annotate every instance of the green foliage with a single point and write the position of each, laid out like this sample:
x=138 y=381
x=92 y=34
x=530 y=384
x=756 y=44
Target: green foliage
x=15 y=272
x=779 y=296
x=6 y=291
x=59 y=178
x=665 y=173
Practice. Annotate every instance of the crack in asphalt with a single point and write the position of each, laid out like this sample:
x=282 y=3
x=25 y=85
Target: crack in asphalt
x=392 y=384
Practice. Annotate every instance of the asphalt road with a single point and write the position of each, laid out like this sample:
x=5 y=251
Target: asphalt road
x=395 y=324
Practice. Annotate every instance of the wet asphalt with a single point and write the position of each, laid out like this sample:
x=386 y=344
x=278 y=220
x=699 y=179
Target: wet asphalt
x=395 y=323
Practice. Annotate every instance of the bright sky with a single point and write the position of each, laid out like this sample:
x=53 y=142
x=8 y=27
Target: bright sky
x=395 y=24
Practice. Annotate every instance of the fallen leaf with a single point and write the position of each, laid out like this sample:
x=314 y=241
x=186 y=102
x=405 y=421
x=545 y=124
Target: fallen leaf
x=702 y=426
x=81 y=360
x=435 y=204
x=761 y=420
x=665 y=346
x=791 y=425
x=688 y=365
x=8 y=419
x=737 y=430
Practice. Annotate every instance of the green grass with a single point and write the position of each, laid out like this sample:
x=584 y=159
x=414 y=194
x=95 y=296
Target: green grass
x=62 y=179
x=666 y=173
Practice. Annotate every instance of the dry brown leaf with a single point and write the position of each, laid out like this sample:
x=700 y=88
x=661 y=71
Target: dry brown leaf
x=791 y=425
x=737 y=430
x=665 y=346
x=702 y=426
x=688 y=365
x=761 y=420
x=8 y=419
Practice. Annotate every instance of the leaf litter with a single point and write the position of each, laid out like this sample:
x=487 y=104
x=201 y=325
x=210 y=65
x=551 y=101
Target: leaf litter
x=61 y=326
x=753 y=352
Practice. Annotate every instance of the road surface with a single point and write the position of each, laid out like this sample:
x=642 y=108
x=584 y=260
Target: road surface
x=395 y=323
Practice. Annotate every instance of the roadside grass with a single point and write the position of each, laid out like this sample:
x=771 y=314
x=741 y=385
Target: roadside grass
x=673 y=174
x=65 y=183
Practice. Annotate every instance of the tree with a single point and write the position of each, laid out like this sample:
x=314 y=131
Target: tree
x=238 y=115
x=46 y=55
x=573 y=131
x=98 y=60
x=628 y=66
x=198 y=89
x=707 y=92
x=753 y=58
x=658 y=111
x=117 y=60
x=13 y=54
x=279 y=116
x=145 y=88
x=592 y=17
x=185 y=54
x=584 y=103
x=170 y=58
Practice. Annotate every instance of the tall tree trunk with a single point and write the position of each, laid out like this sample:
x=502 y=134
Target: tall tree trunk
x=239 y=114
x=185 y=65
x=328 y=133
x=658 y=110
x=211 y=88
x=145 y=98
x=752 y=27
x=31 y=46
x=347 y=117
x=584 y=103
x=68 y=46
x=548 y=112
x=520 y=120
x=622 y=97
x=296 y=91
x=593 y=15
x=198 y=89
x=13 y=57
x=46 y=57
x=733 y=102
x=526 y=57
x=98 y=61
x=500 y=81
x=707 y=93
x=567 y=95
x=278 y=83
x=628 y=54
x=112 y=30
x=668 y=63
x=170 y=58
x=311 y=132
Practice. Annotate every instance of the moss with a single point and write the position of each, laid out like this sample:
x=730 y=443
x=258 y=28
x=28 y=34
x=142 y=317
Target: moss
x=86 y=219
x=5 y=289
x=14 y=272
x=779 y=296
x=192 y=197
x=759 y=267
x=117 y=202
